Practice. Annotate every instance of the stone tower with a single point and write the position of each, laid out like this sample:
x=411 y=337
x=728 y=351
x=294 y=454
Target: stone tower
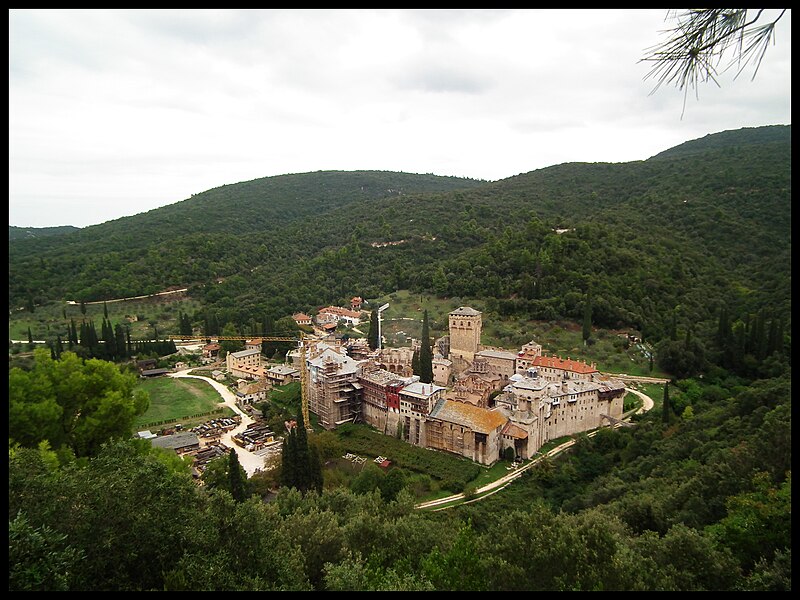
x=465 y=333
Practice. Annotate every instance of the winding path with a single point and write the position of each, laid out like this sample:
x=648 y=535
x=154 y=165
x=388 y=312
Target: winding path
x=250 y=461
x=253 y=462
x=496 y=486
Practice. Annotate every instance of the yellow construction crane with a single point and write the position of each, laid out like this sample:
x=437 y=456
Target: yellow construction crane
x=266 y=338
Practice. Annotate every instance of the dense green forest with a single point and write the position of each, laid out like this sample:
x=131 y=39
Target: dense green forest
x=676 y=237
x=700 y=502
x=21 y=233
x=692 y=248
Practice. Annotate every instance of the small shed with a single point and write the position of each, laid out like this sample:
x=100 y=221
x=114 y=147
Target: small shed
x=154 y=372
x=180 y=442
x=146 y=363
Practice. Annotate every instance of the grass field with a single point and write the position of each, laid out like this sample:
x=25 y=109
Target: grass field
x=174 y=399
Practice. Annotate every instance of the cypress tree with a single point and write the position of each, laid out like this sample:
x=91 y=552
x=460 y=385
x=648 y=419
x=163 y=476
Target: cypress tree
x=425 y=356
x=83 y=307
x=119 y=339
x=94 y=343
x=415 y=362
x=30 y=339
x=289 y=460
x=301 y=466
x=59 y=347
x=303 y=476
x=105 y=310
x=666 y=408
x=372 y=337
x=83 y=338
x=184 y=324
x=213 y=324
x=315 y=463
x=113 y=350
x=237 y=480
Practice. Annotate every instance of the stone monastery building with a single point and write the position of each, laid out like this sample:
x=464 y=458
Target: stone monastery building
x=482 y=400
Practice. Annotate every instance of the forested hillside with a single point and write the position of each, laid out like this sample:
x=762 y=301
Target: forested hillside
x=662 y=245
x=658 y=245
x=219 y=232
x=692 y=247
x=23 y=233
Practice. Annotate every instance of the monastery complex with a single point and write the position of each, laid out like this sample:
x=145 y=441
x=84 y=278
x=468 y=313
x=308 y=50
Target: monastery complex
x=481 y=401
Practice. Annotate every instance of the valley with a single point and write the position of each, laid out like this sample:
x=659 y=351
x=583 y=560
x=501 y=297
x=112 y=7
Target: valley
x=524 y=317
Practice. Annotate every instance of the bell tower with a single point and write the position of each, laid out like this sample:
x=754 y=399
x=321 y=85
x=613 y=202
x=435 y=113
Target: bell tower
x=465 y=332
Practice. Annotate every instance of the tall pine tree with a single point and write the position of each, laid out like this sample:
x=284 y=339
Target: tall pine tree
x=415 y=362
x=237 y=478
x=372 y=336
x=301 y=467
x=119 y=341
x=289 y=465
x=425 y=353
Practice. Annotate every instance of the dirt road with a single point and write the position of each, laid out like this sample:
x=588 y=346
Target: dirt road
x=251 y=462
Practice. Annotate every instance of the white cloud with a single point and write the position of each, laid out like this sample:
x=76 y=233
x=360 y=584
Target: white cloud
x=113 y=112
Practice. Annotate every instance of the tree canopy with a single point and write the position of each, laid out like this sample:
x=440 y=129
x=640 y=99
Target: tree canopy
x=72 y=403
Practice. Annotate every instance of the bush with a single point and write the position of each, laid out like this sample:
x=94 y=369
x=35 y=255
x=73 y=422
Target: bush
x=470 y=492
x=452 y=471
x=453 y=485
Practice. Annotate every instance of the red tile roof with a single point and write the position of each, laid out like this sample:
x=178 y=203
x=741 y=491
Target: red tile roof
x=478 y=419
x=337 y=310
x=514 y=431
x=554 y=362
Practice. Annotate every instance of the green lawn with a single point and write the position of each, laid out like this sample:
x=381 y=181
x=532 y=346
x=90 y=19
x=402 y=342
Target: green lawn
x=174 y=399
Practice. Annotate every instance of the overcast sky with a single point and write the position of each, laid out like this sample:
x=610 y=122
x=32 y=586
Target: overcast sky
x=117 y=112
